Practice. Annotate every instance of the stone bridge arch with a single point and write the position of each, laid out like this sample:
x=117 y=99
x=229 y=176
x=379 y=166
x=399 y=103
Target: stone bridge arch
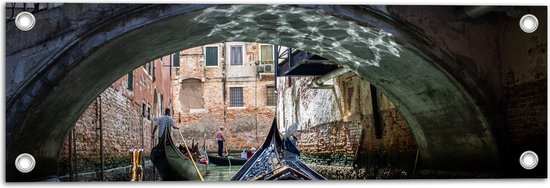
x=53 y=75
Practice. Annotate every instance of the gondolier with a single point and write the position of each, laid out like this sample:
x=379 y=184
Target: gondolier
x=172 y=164
x=163 y=121
x=221 y=139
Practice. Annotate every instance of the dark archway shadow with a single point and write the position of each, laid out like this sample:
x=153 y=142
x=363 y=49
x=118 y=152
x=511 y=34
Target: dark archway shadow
x=449 y=128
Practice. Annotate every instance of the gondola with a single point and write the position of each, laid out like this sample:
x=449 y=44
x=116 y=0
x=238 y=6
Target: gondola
x=226 y=161
x=171 y=164
x=276 y=160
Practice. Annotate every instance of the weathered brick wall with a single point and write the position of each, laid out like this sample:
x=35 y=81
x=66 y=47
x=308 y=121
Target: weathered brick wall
x=339 y=143
x=336 y=131
x=397 y=145
x=240 y=130
x=125 y=126
x=123 y=129
x=305 y=107
x=332 y=143
x=245 y=126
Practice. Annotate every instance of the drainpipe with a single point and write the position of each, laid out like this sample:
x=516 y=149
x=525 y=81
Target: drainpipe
x=75 y=155
x=99 y=120
x=377 y=117
x=256 y=102
x=142 y=144
x=224 y=84
x=318 y=82
x=275 y=75
x=153 y=144
x=276 y=64
x=71 y=172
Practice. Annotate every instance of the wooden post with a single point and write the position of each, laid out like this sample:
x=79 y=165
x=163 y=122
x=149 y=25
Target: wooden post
x=415 y=161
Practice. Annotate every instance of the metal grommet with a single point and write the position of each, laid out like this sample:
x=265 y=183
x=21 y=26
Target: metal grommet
x=529 y=160
x=529 y=23
x=25 y=21
x=25 y=163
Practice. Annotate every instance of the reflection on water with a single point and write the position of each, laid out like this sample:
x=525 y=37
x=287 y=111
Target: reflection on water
x=220 y=173
x=307 y=29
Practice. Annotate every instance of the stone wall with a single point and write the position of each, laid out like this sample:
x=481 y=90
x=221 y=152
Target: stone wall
x=241 y=130
x=334 y=143
x=336 y=132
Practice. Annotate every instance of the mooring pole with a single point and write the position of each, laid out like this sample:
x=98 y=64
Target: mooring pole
x=415 y=162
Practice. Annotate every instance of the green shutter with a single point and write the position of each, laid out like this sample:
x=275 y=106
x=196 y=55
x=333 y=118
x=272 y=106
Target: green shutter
x=131 y=80
x=211 y=56
x=176 y=57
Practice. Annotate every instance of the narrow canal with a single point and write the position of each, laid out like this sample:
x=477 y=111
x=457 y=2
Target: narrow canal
x=220 y=173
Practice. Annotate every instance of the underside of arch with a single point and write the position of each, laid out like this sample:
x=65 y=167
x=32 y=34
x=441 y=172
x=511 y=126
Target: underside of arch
x=449 y=128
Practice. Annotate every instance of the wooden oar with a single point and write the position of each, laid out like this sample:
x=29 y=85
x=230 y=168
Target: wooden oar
x=191 y=156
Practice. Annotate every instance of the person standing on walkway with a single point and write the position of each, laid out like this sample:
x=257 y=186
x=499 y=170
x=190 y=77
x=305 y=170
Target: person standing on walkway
x=221 y=139
x=162 y=122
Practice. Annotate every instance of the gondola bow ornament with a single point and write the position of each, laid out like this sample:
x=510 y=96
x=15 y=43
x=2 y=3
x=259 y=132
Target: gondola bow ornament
x=275 y=160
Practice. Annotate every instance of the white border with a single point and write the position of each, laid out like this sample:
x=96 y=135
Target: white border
x=343 y=2
x=458 y=183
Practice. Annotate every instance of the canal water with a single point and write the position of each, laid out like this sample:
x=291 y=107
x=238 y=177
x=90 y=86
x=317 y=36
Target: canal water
x=220 y=173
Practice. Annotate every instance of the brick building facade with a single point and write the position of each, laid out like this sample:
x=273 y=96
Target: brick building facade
x=225 y=84
x=118 y=120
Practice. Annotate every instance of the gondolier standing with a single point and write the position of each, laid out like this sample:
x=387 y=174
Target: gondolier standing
x=162 y=122
x=221 y=139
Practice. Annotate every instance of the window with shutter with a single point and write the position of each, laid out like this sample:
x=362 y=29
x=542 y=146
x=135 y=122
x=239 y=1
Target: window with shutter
x=131 y=80
x=176 y=59
x=266 y=54
x=211 y=56
x=236 y=55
